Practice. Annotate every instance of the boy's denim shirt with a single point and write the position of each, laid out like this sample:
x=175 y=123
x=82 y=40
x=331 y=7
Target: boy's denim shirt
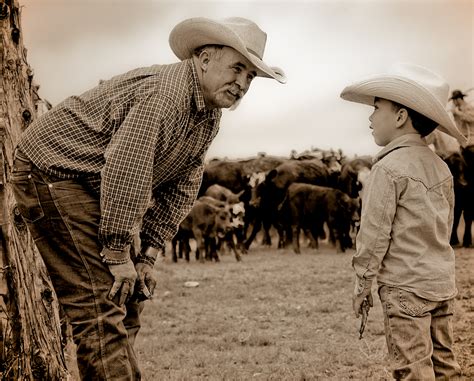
x=407 y=215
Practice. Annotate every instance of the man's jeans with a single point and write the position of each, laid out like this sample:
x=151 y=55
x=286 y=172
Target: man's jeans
x=63 y=218
x=419 y=336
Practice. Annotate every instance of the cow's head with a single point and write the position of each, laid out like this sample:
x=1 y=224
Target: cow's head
x=332 y=161
x=223 y=222
x=237 y=212
x=257 y=184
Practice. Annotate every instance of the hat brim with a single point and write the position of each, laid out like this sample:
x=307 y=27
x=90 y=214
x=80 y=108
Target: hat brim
x=407 y=93
x=459 y=96
x=199 y=31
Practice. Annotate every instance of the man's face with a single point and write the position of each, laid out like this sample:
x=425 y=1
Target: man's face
x=226 y=78
x=383 y=121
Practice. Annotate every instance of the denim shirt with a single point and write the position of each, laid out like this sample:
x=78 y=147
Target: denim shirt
x=407 y=215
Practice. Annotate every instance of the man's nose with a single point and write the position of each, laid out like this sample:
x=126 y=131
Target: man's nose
x=242 y=82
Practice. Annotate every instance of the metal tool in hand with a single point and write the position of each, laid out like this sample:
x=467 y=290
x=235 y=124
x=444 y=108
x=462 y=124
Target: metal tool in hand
x=365 y=313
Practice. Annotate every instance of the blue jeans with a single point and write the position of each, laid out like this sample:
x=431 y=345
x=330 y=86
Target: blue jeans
x=63 y=219
x=419 y=336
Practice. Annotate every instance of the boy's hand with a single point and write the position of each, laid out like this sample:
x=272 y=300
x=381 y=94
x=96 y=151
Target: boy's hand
x=363 y=289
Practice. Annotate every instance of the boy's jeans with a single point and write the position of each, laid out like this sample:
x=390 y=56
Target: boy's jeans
x=419 y=336
x=63 y=218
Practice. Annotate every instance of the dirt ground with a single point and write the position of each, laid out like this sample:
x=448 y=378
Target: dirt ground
x=275 y=316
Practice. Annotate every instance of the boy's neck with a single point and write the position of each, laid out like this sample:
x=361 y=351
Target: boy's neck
x=407 y=129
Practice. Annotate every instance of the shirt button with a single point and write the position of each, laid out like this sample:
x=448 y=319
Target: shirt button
x=29 y=176
x=50 y=185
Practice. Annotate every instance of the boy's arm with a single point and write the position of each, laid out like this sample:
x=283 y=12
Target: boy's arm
x=378 y=211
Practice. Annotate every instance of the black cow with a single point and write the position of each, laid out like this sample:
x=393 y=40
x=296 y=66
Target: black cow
x=235 y=174
x=461 y=165
x=269 y=194
x=308 y=207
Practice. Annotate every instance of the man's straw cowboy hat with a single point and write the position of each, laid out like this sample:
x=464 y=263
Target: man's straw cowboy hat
x=412 y=86
x=238 y=33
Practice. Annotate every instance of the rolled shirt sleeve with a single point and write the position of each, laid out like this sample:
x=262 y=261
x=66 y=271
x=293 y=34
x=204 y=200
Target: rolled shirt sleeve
x=378 y=211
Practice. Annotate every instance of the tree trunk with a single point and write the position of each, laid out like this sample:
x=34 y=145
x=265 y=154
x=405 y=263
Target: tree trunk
x=31 y=346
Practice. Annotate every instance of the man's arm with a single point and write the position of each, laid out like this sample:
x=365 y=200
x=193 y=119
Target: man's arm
x=173 y=201
x=126 y=179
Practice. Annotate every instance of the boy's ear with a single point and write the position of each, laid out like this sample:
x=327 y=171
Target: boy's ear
x=402 y=117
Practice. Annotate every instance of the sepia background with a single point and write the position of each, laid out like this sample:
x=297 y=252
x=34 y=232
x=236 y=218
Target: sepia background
x=321 y=45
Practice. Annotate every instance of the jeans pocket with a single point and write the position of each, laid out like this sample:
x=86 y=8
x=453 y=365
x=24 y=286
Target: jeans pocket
x=26 y=193
x=412 y=304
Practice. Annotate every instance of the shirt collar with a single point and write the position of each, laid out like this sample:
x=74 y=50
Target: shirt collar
x=407 y=140
x=197 y=91
x=198 y=95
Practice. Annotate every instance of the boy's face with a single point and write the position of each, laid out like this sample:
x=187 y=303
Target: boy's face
x=383 y=122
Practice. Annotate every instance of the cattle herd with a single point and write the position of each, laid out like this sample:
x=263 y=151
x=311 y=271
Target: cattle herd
x=317 y=193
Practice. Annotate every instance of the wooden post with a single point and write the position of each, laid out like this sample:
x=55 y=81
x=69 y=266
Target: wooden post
x=31 y=346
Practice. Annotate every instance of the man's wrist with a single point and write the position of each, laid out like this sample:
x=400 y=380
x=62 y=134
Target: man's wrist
x=149 y=255
x=115 y=257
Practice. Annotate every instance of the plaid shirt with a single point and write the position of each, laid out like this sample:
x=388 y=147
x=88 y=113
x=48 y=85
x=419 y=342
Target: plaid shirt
x=139 y=140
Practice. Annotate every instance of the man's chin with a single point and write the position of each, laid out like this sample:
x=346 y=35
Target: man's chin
x=235 y=105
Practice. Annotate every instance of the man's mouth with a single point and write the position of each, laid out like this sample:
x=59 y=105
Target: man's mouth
x=236 y=94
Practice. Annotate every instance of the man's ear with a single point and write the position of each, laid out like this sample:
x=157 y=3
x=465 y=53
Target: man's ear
x=204 y=59
x=402 y=117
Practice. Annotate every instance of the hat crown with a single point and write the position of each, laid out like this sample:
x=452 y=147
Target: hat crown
x=425 y=78
x=253 y=38
x=238 y=33
x=457 y=94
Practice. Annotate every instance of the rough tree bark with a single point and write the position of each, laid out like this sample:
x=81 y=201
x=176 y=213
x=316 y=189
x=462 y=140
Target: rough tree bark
x=31 y=345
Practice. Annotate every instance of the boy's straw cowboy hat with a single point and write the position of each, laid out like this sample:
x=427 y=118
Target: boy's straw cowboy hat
x=412 y=86
x=238 y=33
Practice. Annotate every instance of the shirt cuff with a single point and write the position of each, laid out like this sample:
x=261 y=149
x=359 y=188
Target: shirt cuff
x=362 y=284
x=115 y=257
x=150 y=255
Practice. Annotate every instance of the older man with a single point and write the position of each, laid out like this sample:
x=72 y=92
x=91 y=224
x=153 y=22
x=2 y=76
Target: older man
x=127 y=156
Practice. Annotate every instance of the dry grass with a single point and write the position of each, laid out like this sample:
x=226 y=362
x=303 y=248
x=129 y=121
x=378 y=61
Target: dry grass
x=274 y=316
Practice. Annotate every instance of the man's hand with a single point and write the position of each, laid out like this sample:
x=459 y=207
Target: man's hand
x=146 y=281
x=361 y=292
x=125 y=277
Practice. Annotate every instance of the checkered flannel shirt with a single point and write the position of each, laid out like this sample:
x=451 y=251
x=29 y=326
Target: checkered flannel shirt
x=139 y=140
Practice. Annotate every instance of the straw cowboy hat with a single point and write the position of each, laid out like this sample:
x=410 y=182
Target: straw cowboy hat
x=412 y=86
x=238 y=33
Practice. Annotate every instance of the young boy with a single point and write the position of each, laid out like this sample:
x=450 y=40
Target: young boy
x=407 y=213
